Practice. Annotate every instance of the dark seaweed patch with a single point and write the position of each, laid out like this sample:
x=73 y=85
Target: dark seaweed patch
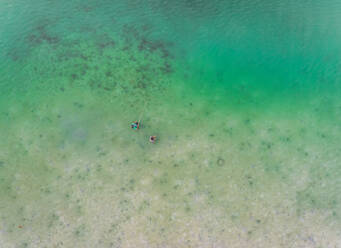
x=220 y=162
x=14 y=55
x=166 y=69
x=149 y=45
x=40 y=35
x=130 y=32
x=247 y=121
x=24 y=245
x=163 y=181
x=145 y=44
x=74 y=76
x=106 y=44
x=143 y=68
x=285 y=139
x=272 y=168
x=229 y=131
x=86 y=8
x=141 y=84
x=92 y=84
x=99 y=168
x=84 y=57
x=105 y=41
x=79 y=231
x=108 y=74
x=78 y=105
x=148 y=72
x=267 y=145
x=250 y=181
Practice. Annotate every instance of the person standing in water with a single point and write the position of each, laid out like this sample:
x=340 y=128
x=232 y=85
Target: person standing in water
x=152 y=139
x=135 y=125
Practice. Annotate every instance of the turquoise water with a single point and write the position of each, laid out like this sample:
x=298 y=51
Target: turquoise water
x=243 y=96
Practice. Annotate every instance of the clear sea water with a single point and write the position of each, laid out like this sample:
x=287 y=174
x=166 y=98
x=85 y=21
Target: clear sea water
x=243 y=96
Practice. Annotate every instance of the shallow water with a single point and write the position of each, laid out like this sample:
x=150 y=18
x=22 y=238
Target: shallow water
x=244 y=97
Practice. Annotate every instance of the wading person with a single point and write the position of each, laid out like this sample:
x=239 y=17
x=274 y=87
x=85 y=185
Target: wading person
x=152 y=139
x=135 y=125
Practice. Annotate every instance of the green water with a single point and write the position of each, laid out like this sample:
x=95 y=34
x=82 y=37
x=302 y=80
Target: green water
x=243 y=96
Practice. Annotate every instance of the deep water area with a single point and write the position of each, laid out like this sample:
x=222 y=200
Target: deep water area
x=244 y=98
